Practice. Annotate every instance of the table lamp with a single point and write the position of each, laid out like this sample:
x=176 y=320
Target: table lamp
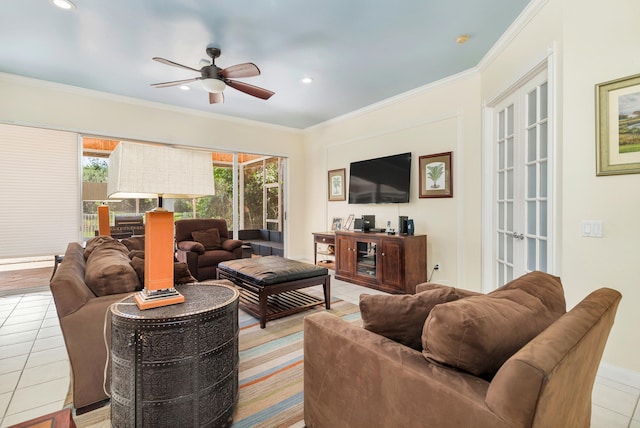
x=138 y=170
x=92 y=191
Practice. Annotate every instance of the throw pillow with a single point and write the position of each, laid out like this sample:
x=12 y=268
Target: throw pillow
x=209 y=238
x=136 y=253
x=94 y=243
x=478 y=334
x=181 y=273
x=108 y=270
x=134 y=243
x=401 y=317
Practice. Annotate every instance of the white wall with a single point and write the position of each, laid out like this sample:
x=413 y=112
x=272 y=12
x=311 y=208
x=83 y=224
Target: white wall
x=442 y=118
x=41 y=104
x=590 y=42
x=600 y=44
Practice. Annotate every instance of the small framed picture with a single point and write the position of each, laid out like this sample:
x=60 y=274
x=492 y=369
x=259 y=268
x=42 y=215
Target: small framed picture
x=349 y=222
x=337 y=185
x=336 y=224
x=436 y=175
x=618 y=126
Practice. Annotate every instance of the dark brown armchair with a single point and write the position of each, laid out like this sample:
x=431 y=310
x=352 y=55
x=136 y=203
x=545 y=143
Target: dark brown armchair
x=203 y=243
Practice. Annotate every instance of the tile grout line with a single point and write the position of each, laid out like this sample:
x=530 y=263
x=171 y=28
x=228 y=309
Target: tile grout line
x=6 y=412
x=13 y=393
x=633 y=412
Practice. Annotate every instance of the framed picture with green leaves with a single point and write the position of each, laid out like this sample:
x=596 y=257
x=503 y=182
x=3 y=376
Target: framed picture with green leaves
x=436 y=175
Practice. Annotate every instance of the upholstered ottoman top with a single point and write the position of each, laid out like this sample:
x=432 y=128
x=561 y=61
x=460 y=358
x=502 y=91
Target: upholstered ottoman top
x=271 y=269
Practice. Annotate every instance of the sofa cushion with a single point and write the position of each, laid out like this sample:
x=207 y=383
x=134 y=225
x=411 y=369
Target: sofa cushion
x=108 y=270
x=401 y=317
x=181 y=273
x=136 y=253
x=478 y=334
x=209 y=238
x=94 y=243
x=134 y=243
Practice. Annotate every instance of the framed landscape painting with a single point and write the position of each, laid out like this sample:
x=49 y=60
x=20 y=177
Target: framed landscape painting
x=618 y=126
x=336 y=185
x=436 y=175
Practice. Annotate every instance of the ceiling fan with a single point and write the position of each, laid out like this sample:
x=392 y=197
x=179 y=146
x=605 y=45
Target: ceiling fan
x=216 y=79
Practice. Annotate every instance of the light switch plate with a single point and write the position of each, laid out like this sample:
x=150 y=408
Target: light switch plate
x=592 y=228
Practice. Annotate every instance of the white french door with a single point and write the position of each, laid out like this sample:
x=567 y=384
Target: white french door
x=521 y=190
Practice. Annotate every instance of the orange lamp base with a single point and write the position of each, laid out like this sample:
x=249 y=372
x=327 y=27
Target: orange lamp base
x=158 y=262
x=103 y=220
x=146 y=300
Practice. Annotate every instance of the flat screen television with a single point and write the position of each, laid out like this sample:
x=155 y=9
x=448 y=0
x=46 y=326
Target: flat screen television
x=382 y=180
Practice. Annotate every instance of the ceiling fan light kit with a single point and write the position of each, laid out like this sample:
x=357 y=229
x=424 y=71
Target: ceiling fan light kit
x=213 y=85
x=215 y=79
x=63 y=4
x=461 y=40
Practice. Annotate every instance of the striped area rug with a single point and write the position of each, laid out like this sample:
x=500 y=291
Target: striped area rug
x=270 y=372
x=271 y=369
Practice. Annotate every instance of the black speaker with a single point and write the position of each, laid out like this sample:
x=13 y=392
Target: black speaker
x=357 y=225
x=402 y=224
x=368 y=222
x=410 y=227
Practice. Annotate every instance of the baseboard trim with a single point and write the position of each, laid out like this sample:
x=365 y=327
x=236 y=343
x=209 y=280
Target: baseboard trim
x=620 y=375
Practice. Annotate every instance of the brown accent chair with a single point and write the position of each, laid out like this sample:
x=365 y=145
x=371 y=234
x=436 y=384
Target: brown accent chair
x=200 y=250
x=355 y=378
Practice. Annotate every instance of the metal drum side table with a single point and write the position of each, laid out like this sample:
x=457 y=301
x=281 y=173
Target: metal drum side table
x=176 y=365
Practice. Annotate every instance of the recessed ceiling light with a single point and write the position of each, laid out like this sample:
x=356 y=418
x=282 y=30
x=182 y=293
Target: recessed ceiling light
x=307 y=80
x=461 y=40
x=184 y=87
x=63 y=4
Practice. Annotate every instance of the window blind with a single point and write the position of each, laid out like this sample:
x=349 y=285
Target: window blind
x=39 y=191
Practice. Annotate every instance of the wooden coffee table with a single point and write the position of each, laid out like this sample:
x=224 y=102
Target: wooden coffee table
x=270 y=285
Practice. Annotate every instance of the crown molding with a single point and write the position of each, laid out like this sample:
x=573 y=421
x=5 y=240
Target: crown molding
x=397 y=98
x=529 y=12
x=75 y=90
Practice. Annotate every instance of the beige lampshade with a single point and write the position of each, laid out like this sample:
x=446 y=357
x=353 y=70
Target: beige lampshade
x=138 y=170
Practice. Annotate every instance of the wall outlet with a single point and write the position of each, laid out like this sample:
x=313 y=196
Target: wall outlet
x=437 y=266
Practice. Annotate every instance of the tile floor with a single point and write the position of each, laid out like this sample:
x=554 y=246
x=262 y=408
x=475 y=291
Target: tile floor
x=34 y=368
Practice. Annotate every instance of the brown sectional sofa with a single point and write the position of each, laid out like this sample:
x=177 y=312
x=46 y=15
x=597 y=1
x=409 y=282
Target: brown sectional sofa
x=84 y=286
x=83 y=317
x=451 y=358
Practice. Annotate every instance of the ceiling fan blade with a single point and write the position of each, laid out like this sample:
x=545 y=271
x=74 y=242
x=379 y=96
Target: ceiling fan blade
x=216 y=98
x=255 y=91
x=248 y=69
x=174 y=83
x=174 y=64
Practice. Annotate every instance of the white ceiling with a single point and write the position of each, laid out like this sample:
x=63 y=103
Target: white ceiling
x=358 y=52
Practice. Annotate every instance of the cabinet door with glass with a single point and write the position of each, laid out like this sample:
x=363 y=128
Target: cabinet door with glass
x=367 y=259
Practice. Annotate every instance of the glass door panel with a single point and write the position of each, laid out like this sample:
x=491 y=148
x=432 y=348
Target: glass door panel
x=366 y=259
x=522 y=180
